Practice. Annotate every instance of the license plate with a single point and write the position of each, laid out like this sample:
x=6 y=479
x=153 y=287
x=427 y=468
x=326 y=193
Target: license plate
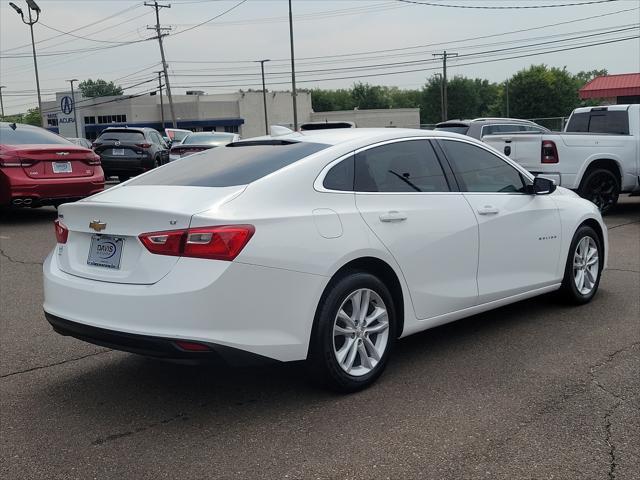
x=61 y=167
x=118 y=151
x=105 y=251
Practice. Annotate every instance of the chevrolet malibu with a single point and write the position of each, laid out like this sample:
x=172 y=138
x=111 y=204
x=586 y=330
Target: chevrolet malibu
x=324 y=246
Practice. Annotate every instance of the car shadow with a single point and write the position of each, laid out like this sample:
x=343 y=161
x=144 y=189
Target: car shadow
x=115 y=382
x=23 y=216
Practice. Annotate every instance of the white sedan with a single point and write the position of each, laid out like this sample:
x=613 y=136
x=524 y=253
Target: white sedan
x=325 y=246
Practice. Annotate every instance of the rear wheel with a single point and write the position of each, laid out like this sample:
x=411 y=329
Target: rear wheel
x=583 y=267
x=354 y=333
x=601 y=187
x=123 y=178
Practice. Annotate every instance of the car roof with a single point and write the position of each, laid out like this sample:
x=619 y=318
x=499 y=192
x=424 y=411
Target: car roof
x=337 y=136
x=485 y=120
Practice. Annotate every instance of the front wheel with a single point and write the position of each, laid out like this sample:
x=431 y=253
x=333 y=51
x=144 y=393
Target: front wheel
x=354 y=333
x=601 y=187
x=583 y=267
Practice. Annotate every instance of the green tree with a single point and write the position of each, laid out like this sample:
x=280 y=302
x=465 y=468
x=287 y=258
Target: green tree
x=367 y=96
x=33 y=117
x=99 y=88
x=540 y=91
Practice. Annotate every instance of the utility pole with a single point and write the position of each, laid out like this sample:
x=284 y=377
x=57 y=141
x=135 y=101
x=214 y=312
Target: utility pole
x=439 y=75
x=264 y=96
x=32 y=5
x=159 y=30
x=506 y=84
x=1 y=104
x=159 y=72
x=73 y=103
x=294 y=93
x=444 y=56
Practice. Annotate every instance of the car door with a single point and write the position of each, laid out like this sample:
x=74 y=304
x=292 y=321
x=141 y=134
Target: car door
x=406 y=199
x=520 y=235
x=161 y=146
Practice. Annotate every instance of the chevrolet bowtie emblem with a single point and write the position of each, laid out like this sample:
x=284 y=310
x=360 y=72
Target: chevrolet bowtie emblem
x=97 y=225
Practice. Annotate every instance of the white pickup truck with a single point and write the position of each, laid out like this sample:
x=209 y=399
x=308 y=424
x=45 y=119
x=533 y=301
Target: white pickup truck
x=597 y=155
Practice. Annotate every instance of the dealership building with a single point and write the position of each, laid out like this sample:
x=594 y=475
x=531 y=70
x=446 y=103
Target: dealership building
x=240 y=112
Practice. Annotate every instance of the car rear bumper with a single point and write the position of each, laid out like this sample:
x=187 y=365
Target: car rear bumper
x=18 y=186
x=260 y=310
x=126 y=166
x=149 y=346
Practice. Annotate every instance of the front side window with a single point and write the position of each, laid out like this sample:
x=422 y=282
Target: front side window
x=407 y=166
x=479 y=170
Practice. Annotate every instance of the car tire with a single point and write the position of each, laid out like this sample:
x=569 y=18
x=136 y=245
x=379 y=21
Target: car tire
x=156 y=162
x=583 y=268
x=349 y=351
x=601 y=187
x=123 y=178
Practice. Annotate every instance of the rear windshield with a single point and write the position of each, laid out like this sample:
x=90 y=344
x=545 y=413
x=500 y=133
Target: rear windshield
x=29 y=135
x=462 y=129
x=230 y=165
x=208 y=139
x=122 y=135
x=600 y=121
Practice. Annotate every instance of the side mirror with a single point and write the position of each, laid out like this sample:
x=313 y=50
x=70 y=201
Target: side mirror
x=543 y=186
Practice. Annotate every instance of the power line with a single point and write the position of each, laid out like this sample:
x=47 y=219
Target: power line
x=506 y=7
x=210 y=20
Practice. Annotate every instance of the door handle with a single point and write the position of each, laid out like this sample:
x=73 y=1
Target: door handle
x=488 y=210
x=393 y=216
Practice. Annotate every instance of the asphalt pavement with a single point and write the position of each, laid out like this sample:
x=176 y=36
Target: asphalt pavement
x=535 y=390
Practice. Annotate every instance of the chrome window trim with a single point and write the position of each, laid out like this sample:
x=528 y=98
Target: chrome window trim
x=319 y=187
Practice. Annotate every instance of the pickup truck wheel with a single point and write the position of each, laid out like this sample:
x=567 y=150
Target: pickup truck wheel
x=601 y=187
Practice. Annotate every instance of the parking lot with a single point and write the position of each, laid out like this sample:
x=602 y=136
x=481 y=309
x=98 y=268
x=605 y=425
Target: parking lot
x=532 y=390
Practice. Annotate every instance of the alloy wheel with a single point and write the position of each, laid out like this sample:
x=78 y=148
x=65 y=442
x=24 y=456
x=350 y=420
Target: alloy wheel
x=586 y=265
x=360 y=332
x=603 y=192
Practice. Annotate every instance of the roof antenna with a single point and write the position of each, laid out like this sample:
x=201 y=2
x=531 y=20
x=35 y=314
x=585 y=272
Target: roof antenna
x=278 y=130
x=13 y=125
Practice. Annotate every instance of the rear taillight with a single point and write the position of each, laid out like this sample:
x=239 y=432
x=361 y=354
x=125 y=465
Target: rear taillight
x=549 y=152
x=143 y=145
x=94 y=160
x=223 y=242
x=62 y=233
x=7 y=161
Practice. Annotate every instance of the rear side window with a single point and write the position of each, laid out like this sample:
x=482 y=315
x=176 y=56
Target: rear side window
x=600 y=121
x=29 y=135
x=228 y=166
x=478 y=170
x=121 y=135
x=340 y=176
x=408 y=166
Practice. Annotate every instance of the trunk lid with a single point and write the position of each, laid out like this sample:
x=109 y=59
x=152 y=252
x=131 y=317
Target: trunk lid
x=56 y=161
x=123 y=213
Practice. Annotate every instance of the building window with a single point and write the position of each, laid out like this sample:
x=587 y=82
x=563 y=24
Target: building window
x=231 y=129
x=52 y=122
x=89 y=120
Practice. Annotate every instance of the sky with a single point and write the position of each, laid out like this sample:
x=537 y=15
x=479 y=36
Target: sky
x=337 y=43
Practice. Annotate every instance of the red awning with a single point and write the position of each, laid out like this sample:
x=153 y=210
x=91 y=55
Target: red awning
x=623 y=85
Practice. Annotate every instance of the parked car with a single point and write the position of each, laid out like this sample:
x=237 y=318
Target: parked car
x=83 y=142
x=597 y=155
x=199 y=141
x=176 y=135
x=326 y=246
x=480 y=127
x=126 y=152
x=38 y=167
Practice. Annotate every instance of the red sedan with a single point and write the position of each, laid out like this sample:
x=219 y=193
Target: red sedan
x=38 y=167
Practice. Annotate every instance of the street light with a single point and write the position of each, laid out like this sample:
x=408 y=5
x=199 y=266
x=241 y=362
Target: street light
x=73 y=102
x=32 y=6
x=1 y=104
x=264 y=96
